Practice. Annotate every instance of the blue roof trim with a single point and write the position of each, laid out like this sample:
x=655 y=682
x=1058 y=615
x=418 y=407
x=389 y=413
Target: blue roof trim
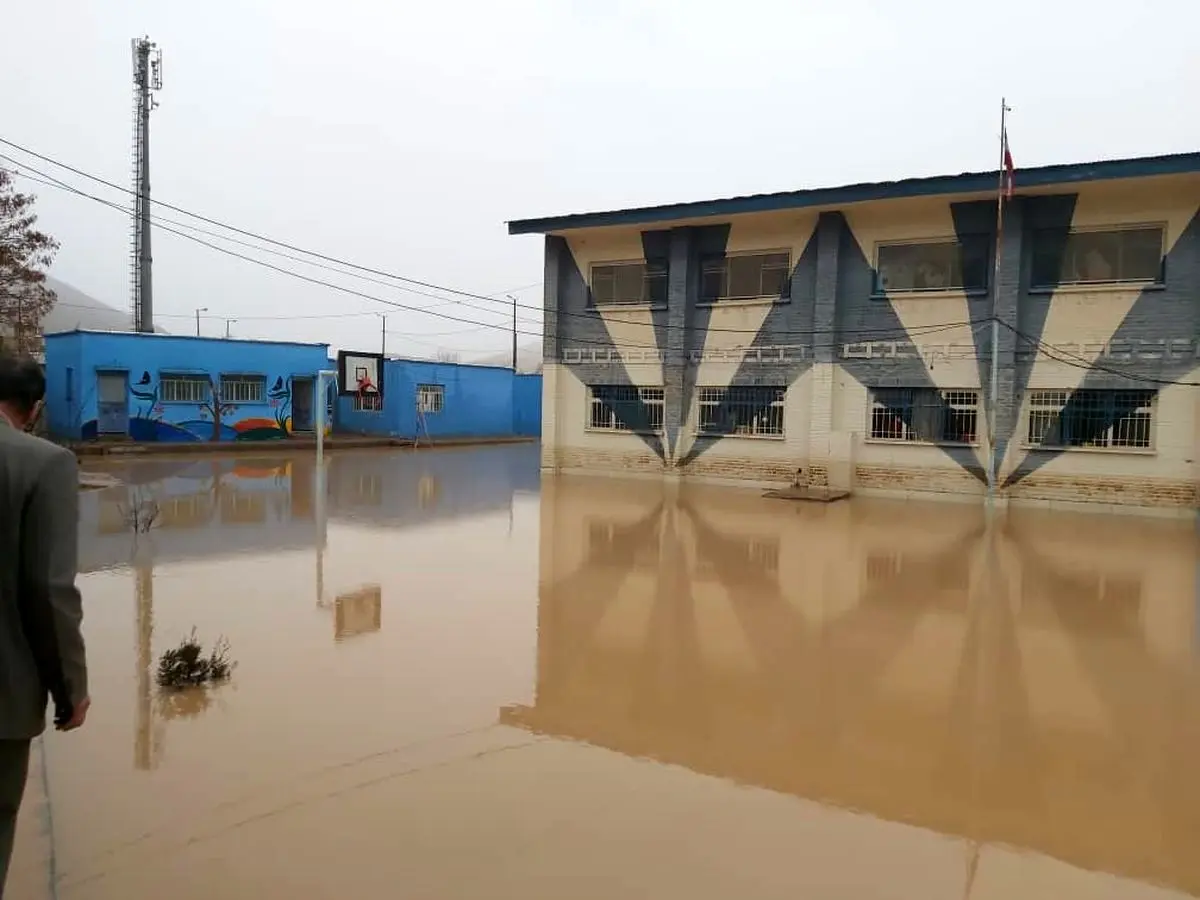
x=966 y=183
x=149 y=335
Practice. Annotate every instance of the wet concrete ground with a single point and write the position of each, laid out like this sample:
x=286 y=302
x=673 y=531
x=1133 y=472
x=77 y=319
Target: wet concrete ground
x=462 y=687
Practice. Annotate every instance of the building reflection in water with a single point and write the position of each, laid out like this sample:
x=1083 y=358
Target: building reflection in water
x=1029 y=681
x=213 y=507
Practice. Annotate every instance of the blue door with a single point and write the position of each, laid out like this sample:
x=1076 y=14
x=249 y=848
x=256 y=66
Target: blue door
x=112 y=401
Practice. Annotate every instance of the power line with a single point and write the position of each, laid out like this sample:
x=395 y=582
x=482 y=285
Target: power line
x=1081 y=362
x=591 y=316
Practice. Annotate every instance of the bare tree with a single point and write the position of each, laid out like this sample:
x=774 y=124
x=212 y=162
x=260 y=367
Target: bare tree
x=25 y=253
x=216 y=407
x=447 y=356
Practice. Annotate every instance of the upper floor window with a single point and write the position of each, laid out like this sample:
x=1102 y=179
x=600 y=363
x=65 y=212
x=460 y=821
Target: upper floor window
x=630 y=282
x=1109 y=256
x=948 y=265
x=745 y=276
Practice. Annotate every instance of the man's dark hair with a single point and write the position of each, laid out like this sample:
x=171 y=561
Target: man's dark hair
x=22 y=382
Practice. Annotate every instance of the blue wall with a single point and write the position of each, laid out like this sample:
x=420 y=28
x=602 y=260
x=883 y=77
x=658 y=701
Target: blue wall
x=479 y=402
x=527 y=405
x=74 y=360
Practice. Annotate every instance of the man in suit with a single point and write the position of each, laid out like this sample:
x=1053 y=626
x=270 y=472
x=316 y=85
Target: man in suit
x=41 y=643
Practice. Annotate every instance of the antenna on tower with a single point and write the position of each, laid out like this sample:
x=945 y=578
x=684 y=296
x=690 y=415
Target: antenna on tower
x=147 y=80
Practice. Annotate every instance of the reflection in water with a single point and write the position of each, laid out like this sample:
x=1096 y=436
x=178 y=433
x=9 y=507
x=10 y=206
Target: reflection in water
x=707 y=682
x=358 y=612
x=1030 y=681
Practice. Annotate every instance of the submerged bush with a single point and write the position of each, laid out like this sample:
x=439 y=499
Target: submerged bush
x=187 y=665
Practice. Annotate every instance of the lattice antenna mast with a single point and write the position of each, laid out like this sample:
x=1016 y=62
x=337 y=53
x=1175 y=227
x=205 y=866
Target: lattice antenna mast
x=147 y=80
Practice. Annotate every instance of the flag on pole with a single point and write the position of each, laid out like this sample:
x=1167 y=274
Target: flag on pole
x=1008 y=168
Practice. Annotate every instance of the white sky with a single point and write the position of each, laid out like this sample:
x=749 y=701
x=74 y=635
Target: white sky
x=403 y=135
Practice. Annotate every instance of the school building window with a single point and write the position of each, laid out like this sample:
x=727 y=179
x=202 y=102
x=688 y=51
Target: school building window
x=925 y=415
x=618 y=283
x=183 y=388
x=1098 y=256
x=620 y=407
x=745 y=276
x=748 y=411
x=947 y=265
x=243 y=388
x=1117 y=419
x=368 y=402
x=431 y=398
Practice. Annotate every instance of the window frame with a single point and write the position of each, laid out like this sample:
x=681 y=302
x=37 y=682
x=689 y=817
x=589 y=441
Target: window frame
x=647 y=298
x=1159 y=279
x=1029 y=409
x=987 y=239
x=944 y=394
x=205 y=382
x=367 y=402
x=592 y=401
x=784 y=296
x=431 y=389
x=247 y=378
x=701 y=402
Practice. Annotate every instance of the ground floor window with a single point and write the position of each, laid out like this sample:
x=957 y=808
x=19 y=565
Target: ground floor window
x=368 y=402
x=746 y=410
x=243 y=388
x=925 y=415
x=431 y=398
x=623 y=407
x=1100 y=418
x=183 y=388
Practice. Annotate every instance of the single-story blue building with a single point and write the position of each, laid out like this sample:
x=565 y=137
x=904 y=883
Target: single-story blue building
x=158 y=387
x=420 y=400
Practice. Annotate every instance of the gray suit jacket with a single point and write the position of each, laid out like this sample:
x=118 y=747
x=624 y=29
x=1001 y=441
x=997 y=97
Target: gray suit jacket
x=41 y=643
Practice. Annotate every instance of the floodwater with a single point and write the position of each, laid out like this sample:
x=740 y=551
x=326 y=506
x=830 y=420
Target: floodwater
x=453 y=682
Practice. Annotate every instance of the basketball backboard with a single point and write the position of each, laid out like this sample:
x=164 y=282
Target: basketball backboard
x=359 y=371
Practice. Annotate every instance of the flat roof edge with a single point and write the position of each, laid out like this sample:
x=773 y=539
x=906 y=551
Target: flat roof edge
x=965 y=183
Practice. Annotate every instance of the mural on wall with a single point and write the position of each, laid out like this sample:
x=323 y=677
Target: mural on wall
x=215 y=419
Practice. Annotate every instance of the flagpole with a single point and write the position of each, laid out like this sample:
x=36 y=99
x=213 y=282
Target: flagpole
x=993 y=388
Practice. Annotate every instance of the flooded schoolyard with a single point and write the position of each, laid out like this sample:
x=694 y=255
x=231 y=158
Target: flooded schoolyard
x=457 y=680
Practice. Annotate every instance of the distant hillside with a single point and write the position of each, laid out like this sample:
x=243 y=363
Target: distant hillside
x=529 y=358
x=75 y=310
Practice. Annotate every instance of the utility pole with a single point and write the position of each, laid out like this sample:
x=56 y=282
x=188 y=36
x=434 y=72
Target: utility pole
x=994 y=375
x=383 y=335
x=514 y=331
x=147 y=79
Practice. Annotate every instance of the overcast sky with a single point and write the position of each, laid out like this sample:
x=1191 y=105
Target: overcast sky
x=402 y=136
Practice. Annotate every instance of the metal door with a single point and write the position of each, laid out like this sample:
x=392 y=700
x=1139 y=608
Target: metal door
x=302 y=404
x=112 y=401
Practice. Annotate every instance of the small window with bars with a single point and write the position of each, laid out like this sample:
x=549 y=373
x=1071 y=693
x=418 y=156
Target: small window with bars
x=624 y=283
x=367 y=402
x=431 y=398
x=745 y=276
x=622 y=407
x=745 y=411
x=1112 y=256
x=925 y=415
x=243 y=388
x=183 y=388
x=1115 y=419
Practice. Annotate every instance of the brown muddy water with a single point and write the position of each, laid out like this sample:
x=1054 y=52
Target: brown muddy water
x=469 y=685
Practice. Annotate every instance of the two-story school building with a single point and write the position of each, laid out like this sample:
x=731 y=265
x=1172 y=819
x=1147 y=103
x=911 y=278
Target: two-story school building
x=848 y=334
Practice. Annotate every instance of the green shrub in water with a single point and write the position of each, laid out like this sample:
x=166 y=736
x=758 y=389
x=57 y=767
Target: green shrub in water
x=188 y=665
